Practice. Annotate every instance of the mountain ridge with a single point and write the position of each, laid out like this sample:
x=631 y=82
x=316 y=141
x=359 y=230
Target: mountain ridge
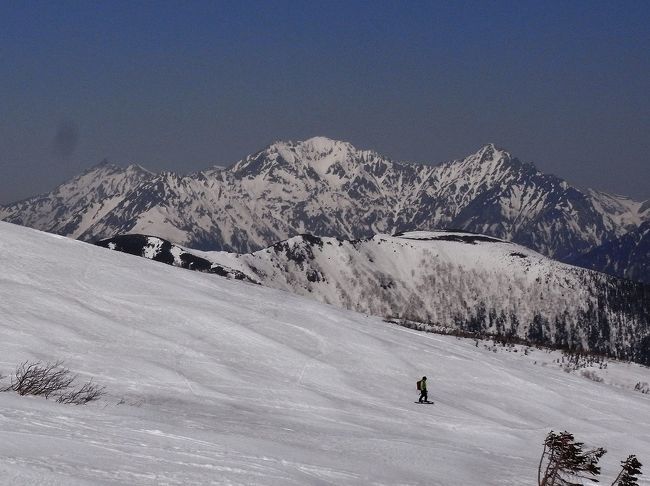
x=459 y=281
x=328 y=187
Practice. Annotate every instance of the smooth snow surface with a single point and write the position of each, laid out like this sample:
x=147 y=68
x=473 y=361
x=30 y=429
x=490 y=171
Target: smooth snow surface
x=213 y=381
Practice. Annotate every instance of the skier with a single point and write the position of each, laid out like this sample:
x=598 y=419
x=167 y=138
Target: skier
x=422 y=386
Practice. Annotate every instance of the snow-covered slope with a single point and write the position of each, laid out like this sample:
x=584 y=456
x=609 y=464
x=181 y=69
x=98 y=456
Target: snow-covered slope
x=330 y=188
x=450 y=279
x=214 y=381
x=627 y=256
x=464 y=281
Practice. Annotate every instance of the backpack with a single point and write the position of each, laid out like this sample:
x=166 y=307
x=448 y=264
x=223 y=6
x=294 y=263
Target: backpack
x=420 y=385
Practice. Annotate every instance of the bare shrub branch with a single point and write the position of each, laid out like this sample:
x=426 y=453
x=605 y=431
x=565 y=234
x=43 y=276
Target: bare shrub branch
x=52 y=380
x=89 y=392
x=41 y=379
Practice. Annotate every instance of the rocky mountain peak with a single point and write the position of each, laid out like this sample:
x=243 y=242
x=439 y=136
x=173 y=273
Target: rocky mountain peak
x=138 y=169
x=313 y=150
x=323 y=145
x=101 y=166
x=106 y=168
x=490 y=153
x=317 y=153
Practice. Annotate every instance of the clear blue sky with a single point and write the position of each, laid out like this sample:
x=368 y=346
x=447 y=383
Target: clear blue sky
x=185 y=85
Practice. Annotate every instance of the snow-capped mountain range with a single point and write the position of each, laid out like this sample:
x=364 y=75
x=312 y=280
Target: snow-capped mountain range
x=330 y=188
x=448 y=279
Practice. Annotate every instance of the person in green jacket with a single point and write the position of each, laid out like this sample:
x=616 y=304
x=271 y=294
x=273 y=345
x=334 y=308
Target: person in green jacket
x=423 y=390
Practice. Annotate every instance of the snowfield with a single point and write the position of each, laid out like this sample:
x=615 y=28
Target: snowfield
x=214 y=381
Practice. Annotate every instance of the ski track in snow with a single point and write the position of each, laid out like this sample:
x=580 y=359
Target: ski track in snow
x=213 y=381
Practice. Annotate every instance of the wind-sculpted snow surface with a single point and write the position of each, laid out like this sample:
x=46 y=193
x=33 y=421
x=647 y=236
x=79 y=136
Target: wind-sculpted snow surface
x=330 y=188
x=462 y=281
x=215 y=381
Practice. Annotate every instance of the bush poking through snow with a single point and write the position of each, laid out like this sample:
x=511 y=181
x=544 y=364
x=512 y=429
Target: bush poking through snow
x=591 y=375
x=642 y=387
x=40 y=379
x=89 y=392
x=51 y=380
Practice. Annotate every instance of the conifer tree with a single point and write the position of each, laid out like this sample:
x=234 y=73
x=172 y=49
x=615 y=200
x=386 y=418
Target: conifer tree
x=563 y=461
x=630 y=468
